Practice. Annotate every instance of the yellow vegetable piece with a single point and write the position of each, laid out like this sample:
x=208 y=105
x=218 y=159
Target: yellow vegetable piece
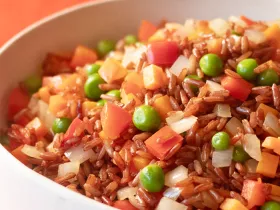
x=272 y=33
x=232 y=204
x=112 y=70
x=267 y=166
x=87 y=107
x=154 y=77
x=267 y=109
x=163 y=106
x=57 y=104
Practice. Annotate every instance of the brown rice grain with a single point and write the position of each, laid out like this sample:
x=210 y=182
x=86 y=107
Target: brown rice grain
x=244 y=56
x=118 y=160
x=276 y=96
x=218 y=198
x=173 y=151
x=198 y=167
x=244 y=44
x=66 y=177
x=142 y=136
x=92 y=143
x=184 y=98
x=174 y=104
x=187 y=89
x=232 y=74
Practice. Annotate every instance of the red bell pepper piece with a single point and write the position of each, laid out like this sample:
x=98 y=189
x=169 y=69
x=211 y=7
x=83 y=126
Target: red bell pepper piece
x=254 y=192
x=114 y=120
x=22 y=117
x=18 y=100
x=83 y=56
x=75 y=129
x=162 y=53
x=162 y=141
x=124 y=205
x=238 y=88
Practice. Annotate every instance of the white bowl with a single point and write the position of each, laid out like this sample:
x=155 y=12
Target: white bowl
x=23 y=189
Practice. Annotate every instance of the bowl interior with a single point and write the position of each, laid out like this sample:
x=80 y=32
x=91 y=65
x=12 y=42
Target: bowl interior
x=86 y=24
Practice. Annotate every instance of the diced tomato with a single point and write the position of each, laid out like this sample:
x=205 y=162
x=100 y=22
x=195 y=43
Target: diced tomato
x=124 y=205
x=39 y=128
x=76 y=127
x=254 y=192
x=162 y=141
x=22 y=117
x=247 y=20
x=83 y=56
x=238 y=88
x=163 y=53
x=146 y=30
x=114 y=120
x=56 y=64
x=18 y=154
x=18 y=100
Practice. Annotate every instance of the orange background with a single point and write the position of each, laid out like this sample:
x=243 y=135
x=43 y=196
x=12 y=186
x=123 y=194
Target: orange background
x=17 y=14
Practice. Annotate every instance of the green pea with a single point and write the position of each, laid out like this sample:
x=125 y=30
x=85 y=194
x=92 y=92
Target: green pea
x=92 y=69
x=193 y=87
x=235 y=33
x=60 y=125
x=91 y=86
x=114 y=93
x=239 y=154
x=152 y=178
x=130 y=39
x=271 y=205
x=246 y=68
x=101 y=102
x=268 y=78
x=146 y=118
x=105 y=46
x=211 y=65
x=33 y=83
x=221 y=141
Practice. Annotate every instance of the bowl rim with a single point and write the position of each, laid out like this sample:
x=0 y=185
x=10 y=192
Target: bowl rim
x=21 y=168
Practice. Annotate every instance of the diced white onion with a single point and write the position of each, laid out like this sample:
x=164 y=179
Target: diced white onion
x=176 y=175
x=45 y=115
x=213 y=86
x=252 y=146
x=70 y=167
x=222 y=158
x=232 y=125
x=174 y=117
x=184 y=124
x=255 y=36
x=132 y=55
x=33 y=106
x=172 y=193
x=238 y=21
x=126 y=192
x=222 y=110
x=181 y=63
x=167 y=204
x=78 y=154
x=31 y=151
x=219 y=26
x=251 y=165
x=189 y=26
x=271 y=124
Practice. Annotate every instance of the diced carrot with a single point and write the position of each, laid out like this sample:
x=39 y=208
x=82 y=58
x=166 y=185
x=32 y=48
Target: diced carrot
x=267 y=166
x=272 y=33
x=135 y=78
x=110 y=120
x=275 y=189
x=18 y=100
x=83 y=56
x=112 y=70
x=267 y=109
x=146 y=30
x=162 y=141
x=163 y=106
x=44 y=94
x=40 y=129
x=254 y=193
x=272 y=143
x=87 y=107
x=187 y=191
x=247 y=20
x=232 y=204
x=56 y=64
x=57 y=104
x=18 y=154
x=140 y=162
x=154 y=77
x=214 y=45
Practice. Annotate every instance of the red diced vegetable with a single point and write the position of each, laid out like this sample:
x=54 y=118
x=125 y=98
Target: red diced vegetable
x=124 y=205
x=254 y=193
x=83 y=56
x=238 y=88
x=18 y=100
x=114 y=120
x=56 y=64
x=162 y=141
x=75 y=129
x=22 y=117
x=163 y=53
